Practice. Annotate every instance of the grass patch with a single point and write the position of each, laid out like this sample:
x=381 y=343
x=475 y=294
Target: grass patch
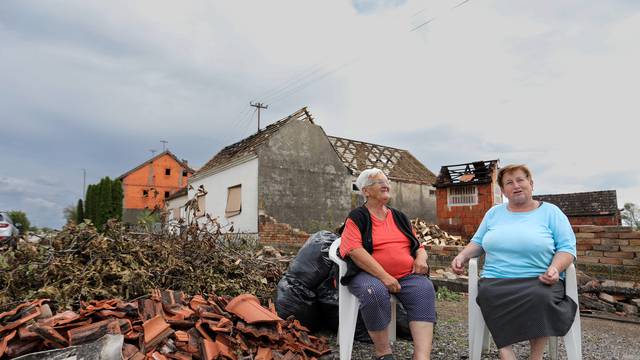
x=444 y=294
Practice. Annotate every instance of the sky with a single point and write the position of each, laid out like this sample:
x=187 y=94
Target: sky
x=96 y=85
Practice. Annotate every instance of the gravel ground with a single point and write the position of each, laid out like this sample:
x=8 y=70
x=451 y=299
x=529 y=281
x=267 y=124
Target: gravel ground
x=601 y=339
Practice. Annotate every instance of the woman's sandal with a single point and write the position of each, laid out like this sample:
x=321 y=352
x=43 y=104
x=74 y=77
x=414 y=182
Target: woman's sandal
x=386 y=357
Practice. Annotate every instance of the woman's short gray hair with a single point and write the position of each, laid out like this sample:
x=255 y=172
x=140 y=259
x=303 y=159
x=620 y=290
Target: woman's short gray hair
x=364 y=179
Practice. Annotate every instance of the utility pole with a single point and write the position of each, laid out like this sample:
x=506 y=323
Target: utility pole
x=258 y=106
x=164 y=145
x=84 y=184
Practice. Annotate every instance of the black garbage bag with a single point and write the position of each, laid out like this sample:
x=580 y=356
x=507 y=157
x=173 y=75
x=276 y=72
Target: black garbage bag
x=312 y=265
x=307 y=271
x=293 y=298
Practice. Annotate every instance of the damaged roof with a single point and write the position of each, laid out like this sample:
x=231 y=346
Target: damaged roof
x=584 y=203
x=472 y=173
x=182 y=163
x=249 y=145
x=397 y=164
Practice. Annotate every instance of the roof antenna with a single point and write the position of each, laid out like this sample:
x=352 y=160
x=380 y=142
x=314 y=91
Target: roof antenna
x=164 y=145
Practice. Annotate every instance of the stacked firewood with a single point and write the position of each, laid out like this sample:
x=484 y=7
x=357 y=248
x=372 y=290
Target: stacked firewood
x=430 y=234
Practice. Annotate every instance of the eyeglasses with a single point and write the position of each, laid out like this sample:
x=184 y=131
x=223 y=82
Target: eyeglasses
x=381 y=182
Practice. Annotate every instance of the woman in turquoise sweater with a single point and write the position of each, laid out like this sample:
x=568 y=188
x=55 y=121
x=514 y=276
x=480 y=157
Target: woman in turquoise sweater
x=528 y=245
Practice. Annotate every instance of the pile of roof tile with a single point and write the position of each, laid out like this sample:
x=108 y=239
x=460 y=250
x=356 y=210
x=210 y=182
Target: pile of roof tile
x=166 y=325
x=432 y=235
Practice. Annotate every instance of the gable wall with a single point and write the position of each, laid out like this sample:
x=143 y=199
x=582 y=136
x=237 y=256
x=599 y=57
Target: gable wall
x=152 y=177
x=302 y=182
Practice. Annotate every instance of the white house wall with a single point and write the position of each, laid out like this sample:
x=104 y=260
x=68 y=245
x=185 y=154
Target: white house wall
x=216 y=185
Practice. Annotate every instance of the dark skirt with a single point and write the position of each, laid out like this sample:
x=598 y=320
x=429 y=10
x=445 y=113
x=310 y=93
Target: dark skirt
x=522 y=309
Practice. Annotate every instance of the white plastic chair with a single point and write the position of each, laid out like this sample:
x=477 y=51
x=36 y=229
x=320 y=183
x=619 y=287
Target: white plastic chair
x=479 y=335
x=348 y=309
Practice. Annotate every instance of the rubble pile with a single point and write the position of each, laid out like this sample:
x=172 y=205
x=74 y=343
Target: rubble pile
x=166 y=325
x=620 y=297
x=432 y=235
x=80 y=263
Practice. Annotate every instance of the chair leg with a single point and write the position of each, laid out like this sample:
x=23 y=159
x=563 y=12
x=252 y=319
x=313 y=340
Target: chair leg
x=553 y=348
x=392 y=324
x=572 y=341
x=478 y=336
x=347 y=318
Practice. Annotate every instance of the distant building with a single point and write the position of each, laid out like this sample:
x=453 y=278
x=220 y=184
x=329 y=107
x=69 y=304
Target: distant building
x=293 y=174
x=587 y=208
x=148 y=185
x=465 y=192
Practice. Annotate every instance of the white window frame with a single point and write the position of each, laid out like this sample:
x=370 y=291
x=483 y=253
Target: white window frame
x=462 y=195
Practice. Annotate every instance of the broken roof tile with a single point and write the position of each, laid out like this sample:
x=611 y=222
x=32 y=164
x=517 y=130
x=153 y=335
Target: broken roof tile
x=248 y=308
x=4 y=341
x=92 y=332
x=155 y=330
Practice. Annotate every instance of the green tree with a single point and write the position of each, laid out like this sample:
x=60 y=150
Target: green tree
x=79 y=212
x=90 y=204
x=20 y=217
x=117 y=195
x=104 y=208
x=631 y=215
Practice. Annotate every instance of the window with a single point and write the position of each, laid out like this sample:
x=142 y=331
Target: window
x=432 y=192
x=201 y=206
x=166 y=194
x=145 y=193
x=167 y=171
x=184 y=172
x=462 y=195
x=234 y=201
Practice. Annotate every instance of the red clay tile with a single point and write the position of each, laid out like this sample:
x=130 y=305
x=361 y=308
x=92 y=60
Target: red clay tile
x=148 y=309
x=26 y=333
x=181 y=336
x=180 y=355
x=19 y=316
x=209 y=350
x=91 y=332
x=155 y=331
x=128 y=351
x=258 y=331
x=224 y=347
x=264 y=354
x=248 y=308
x=4 y=341
x=155 y=355
x=20 y=348
x=50 y=334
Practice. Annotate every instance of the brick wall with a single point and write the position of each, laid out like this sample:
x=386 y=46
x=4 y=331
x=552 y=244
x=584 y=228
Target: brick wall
x=605 y=252
x=611 y=252
x=595 y=220
x=463 y=220
x=280 y=235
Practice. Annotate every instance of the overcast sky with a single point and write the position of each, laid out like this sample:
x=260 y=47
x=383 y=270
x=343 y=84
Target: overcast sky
x=97 y=84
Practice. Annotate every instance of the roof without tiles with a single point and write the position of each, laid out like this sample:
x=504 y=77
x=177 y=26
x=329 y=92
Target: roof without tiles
x=473 y=173
x=397 y=164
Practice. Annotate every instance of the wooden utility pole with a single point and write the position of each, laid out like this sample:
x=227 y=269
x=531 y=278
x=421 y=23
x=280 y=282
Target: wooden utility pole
x=258 y=106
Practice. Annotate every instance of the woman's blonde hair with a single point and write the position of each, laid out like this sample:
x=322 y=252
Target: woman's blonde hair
x=511 y=168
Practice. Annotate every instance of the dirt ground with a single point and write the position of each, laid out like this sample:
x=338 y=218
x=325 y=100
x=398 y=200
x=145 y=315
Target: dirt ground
x=601 y=339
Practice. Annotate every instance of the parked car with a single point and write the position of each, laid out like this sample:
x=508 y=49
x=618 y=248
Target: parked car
x=8 y=230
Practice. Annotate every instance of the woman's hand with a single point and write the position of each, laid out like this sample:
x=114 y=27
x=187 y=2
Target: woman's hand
x=420 y=265
x=458 y=263
x=391 y=283
x=551 y=276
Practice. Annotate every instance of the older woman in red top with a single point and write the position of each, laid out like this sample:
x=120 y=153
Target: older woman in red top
x=384 y=257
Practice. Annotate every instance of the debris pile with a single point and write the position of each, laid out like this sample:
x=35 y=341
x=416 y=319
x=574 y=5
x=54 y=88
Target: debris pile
x=620 y=297
x=166 y=325
x=80 y=263
x=432 y=235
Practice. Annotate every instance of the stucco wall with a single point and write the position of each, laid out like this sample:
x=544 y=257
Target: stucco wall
x=244 y=173
x=414 y=200
x=302 y=181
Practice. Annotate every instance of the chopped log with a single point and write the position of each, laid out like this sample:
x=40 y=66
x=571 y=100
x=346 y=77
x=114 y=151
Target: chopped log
x=593 y=287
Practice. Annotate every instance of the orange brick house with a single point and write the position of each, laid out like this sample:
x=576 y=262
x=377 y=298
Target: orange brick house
x=148 y=185
x=464 y=193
